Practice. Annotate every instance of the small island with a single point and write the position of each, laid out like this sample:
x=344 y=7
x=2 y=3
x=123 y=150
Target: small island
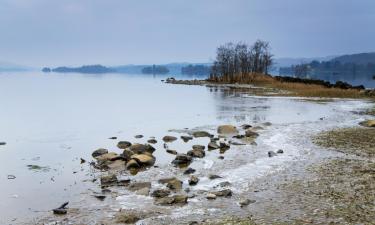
x=89 y=69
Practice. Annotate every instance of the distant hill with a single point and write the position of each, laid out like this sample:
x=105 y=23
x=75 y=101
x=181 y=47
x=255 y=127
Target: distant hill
x=359 y=59
x=286 y=62
x=92 y=69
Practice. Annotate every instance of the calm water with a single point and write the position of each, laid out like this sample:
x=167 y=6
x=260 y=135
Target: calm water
x=53 y=120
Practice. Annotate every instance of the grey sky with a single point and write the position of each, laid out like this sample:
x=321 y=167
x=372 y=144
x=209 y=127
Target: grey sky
x=113 y=32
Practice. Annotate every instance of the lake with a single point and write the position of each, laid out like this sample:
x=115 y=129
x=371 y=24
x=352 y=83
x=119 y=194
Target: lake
x=50 y=121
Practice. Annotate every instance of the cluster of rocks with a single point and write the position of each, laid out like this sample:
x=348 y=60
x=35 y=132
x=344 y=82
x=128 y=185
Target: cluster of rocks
x=139 y=156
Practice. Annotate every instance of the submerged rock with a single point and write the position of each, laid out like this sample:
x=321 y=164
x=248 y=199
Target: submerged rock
x=198 y=147
x=182 y=159
x=3 y=143
x=271 y=154
x=223 y=193
x=245 y=202
x=169 y=138
x=172 y=183
x=176 y=199
x=99 y=152
x=108 y=180
x=213 y=176
x=138 y=136
x=211 y=196
x=212 y=145
x=189 y=171
x=152 y=141
x=280 y=151
x=173 y=152
x=246 y=126
x=186 y=138
x=193 y=180
x=196 y=153
x=227 y=129
x=251 y=134
x=160 y=193
x=198 y=134
x=123 y=144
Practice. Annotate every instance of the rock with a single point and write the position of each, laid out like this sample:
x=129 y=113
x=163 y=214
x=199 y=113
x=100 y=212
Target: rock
x=280 y=151
x=100 y=197
x=227 y=129
x=368 y=123
x=176 y=199
x=113 y=138
x=128 y=217
x=60 y=211
x=141 y=188
x=239 y=136
x=246 y=126
x=198 y=134
x=182 y=159
x=124 y=144
x=198 y=147
x=221 y=157
x=99 y=152
x=160 y=193
x=117 y=165
x=11 y=177
x=186 y=138
x=172 y=183
x=211 y=196
x=245 y=202
x=82 y=161
x=144 y=159
x=223 y=184
x=193 y=180
x=3 y=143
x=224 y=146
x=251 y=134
x=138 y=136
x=169 y=138
x=152 y=141
x=223 y=193
x=108 y=180
x=173 y=152
x=271 y=154
x=267 y=124
x=127 y=154
x=141 y=148
x=213 y=176
x=189 y=171
x=132 y=164
x=196 y=153
x=111 y=156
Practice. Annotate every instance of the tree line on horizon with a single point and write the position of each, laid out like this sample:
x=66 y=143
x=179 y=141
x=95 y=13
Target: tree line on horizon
x=241 y=59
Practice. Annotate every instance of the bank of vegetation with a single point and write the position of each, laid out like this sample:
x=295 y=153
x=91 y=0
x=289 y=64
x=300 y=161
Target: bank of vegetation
x=249 y=64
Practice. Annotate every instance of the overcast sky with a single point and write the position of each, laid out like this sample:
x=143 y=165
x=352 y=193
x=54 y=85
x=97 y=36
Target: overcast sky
x=113 y=32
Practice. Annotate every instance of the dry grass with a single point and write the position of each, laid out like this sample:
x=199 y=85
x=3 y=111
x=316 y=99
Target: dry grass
x=294 y=89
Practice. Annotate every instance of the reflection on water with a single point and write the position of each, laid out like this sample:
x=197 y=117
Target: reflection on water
x=50 y=121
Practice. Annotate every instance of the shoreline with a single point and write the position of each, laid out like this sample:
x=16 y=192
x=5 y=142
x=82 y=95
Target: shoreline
x=271 y=193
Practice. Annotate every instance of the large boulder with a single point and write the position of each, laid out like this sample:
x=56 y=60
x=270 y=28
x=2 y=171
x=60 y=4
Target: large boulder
x=99 y=152
x=227 y=129
x=169 y=138
x=172 y=183
x=141 y=148
x=368 y=123
x=144 y=159
x=124 y=144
